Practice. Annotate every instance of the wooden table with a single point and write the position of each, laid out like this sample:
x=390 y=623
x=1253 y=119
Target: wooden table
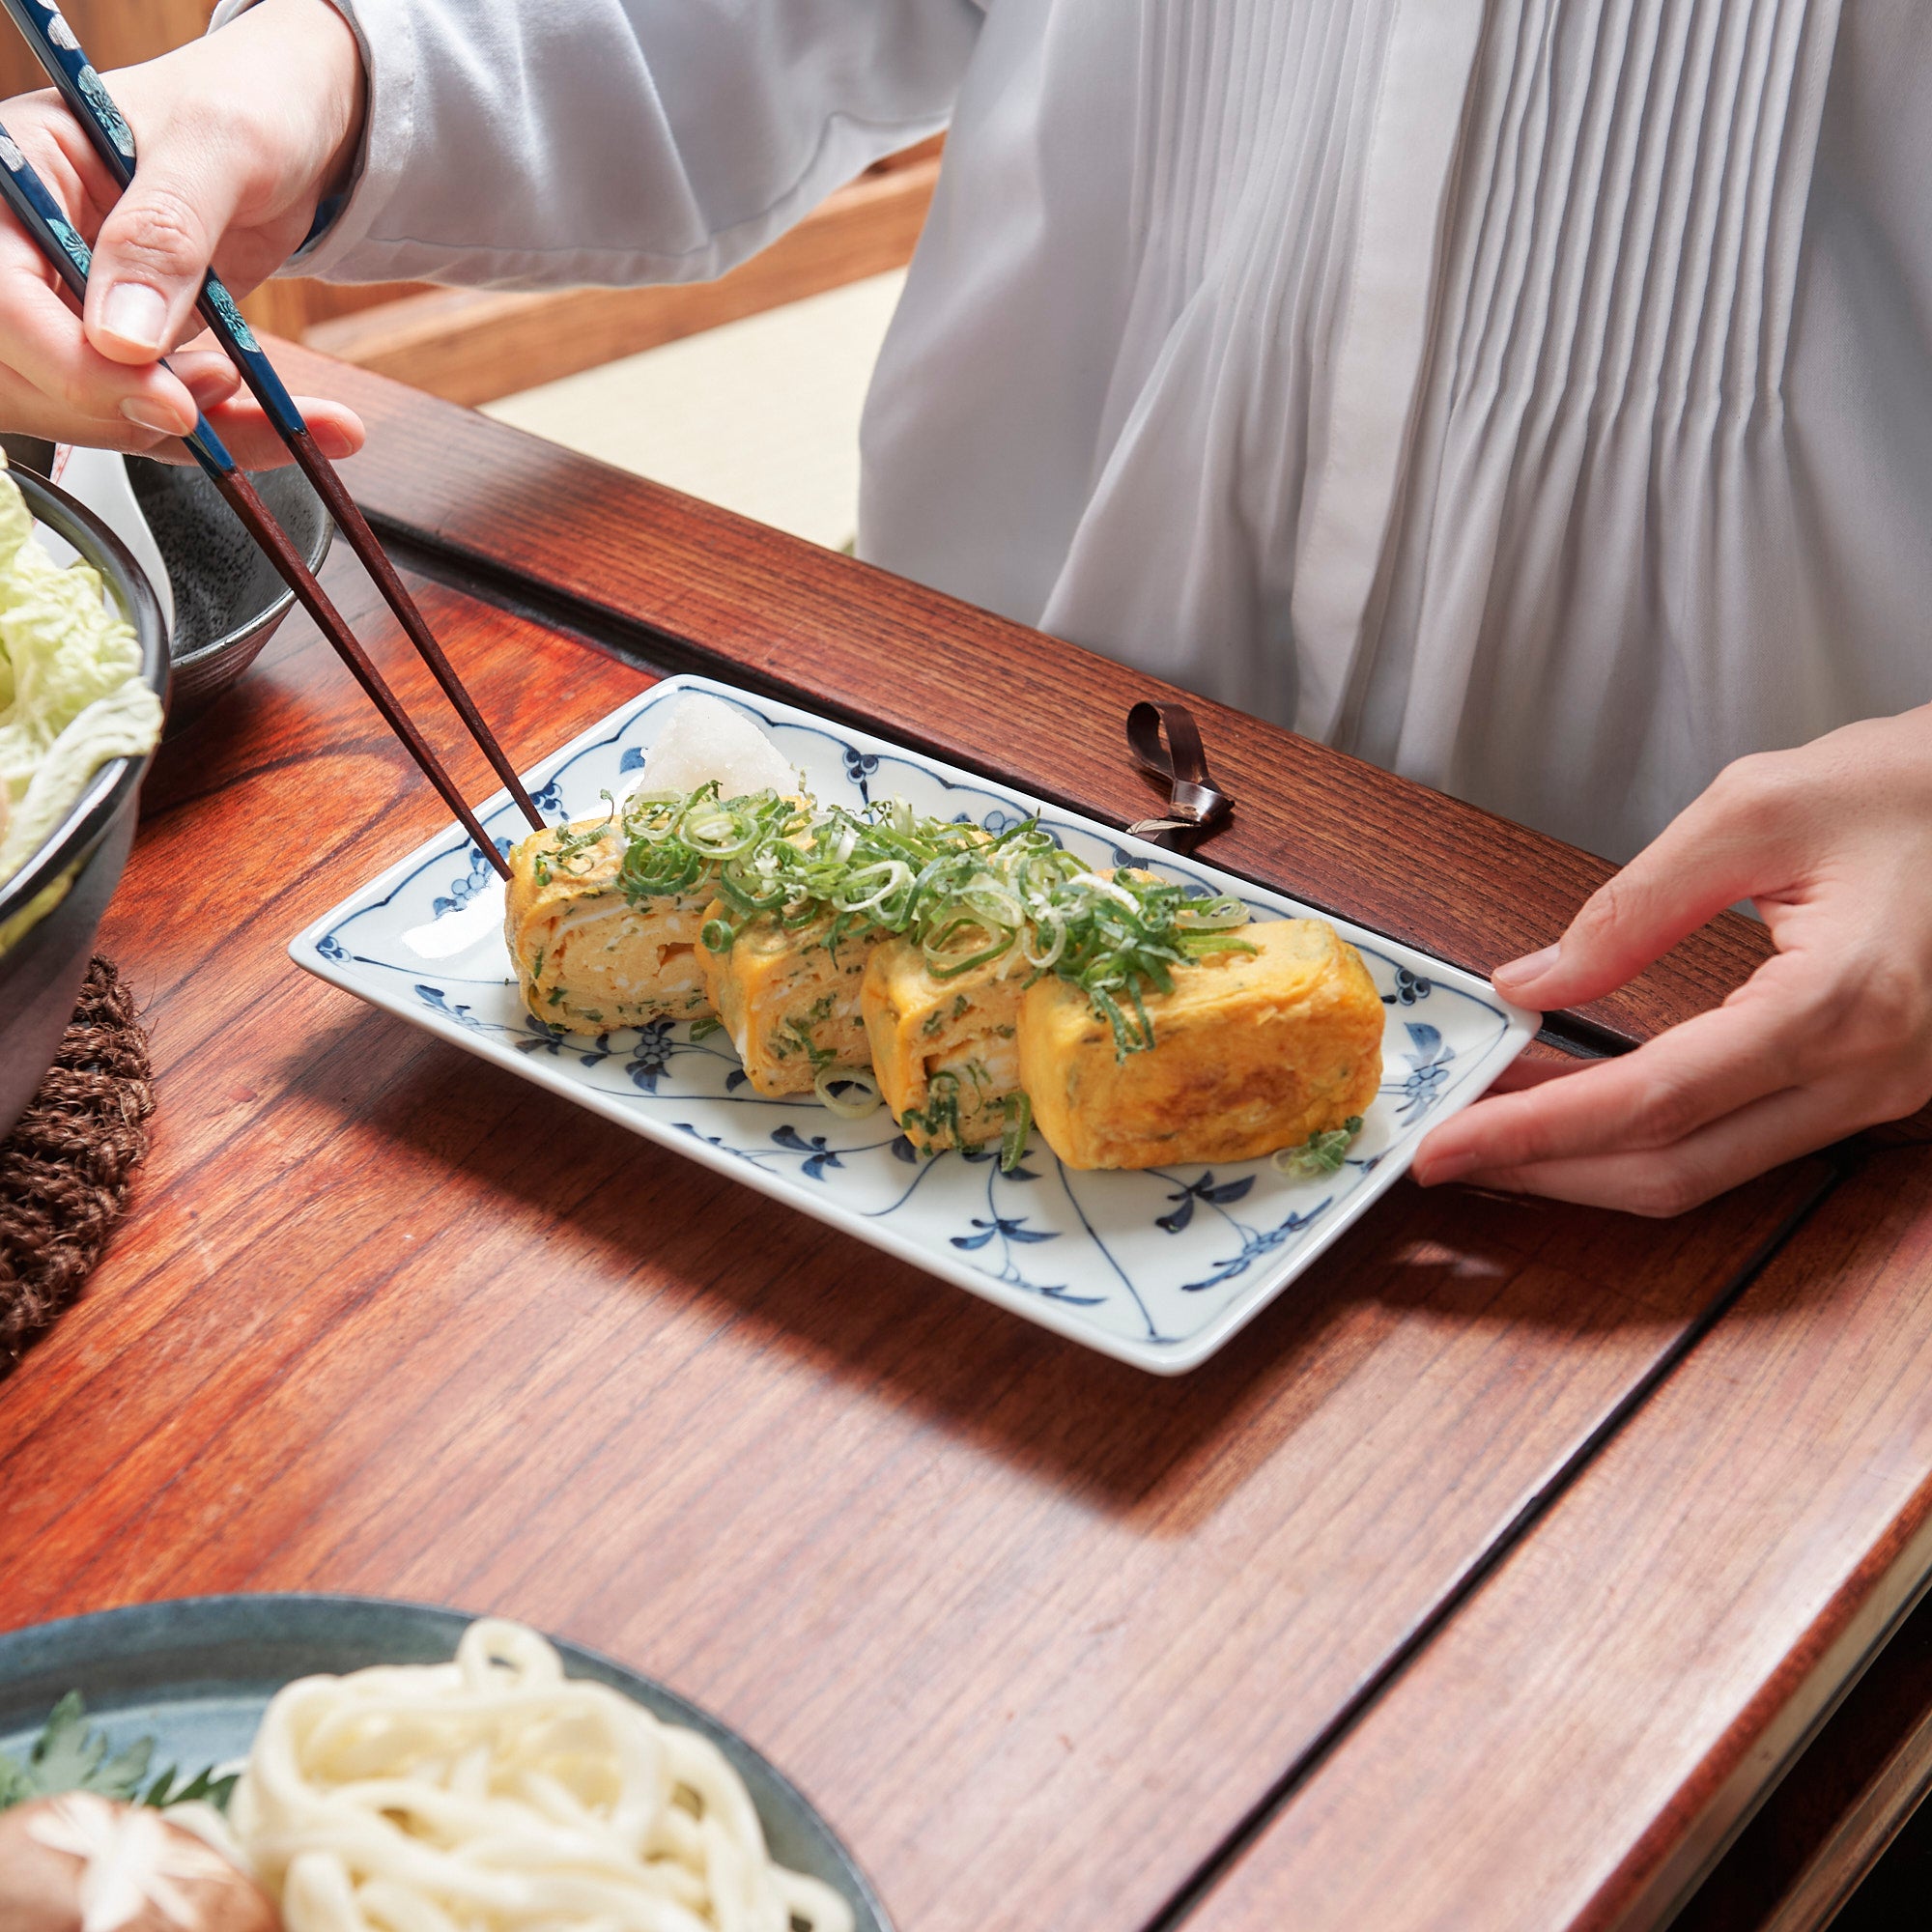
x=1486 y=1580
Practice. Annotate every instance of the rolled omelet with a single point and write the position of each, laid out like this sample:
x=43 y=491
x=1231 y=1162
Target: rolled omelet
x=944 y=1052
x=1253 y=1051
x=587 y=960
x=789 y=998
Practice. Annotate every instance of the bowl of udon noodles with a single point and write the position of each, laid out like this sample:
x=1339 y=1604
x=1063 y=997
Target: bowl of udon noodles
x=316 y=1764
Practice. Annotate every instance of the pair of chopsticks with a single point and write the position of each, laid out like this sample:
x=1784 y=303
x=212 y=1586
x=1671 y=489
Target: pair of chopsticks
x=34 y=206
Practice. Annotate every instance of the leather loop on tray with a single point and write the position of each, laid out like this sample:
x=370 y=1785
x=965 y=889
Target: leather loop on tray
x=1195 y=807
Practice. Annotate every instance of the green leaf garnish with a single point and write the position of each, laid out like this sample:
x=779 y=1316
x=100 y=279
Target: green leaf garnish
x=203 y=1788
x=68 y=1756
x=1321 y=1154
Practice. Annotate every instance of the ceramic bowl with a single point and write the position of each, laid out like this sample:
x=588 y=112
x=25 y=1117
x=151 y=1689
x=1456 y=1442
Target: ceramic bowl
x=195 y=1675
x=50 y=908
x=228 y=598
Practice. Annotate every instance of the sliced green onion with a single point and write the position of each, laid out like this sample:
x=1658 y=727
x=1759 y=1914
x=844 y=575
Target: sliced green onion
x=886 y=877
x=859 y=1095
x=946 y=961
x=1043 y=961
x=1111 y=889
x=744 y=893
x=1018 y=1110
x=964 y=897
x=1199 y=945
x=722 y=835
x=1210 y=915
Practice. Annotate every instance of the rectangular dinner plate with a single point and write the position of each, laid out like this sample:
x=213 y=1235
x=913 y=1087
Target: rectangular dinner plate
x=1158 y=1267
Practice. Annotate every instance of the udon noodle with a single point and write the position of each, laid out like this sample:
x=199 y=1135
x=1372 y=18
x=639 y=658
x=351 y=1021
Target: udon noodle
x=496 y=1795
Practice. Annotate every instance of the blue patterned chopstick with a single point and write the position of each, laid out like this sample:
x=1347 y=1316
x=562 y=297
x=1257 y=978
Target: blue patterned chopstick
x=58 y=49
x=46 y=221
x=35 y=208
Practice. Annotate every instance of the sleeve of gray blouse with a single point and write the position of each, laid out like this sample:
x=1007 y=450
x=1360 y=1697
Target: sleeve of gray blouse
x=531 y=142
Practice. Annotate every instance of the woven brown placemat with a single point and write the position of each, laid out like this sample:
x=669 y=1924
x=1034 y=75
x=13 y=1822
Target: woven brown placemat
x=64 y=1169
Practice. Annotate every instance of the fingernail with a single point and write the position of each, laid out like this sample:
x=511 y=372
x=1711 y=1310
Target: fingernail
x=152 y=414
x=1530 y=968
x=135 y=314
x=1443 y=1168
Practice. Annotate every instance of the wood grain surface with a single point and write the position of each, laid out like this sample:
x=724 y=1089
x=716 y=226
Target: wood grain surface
x=1038 y=1632
x=1054 y=1644
x=1834 y=1812
x=1670 y=1636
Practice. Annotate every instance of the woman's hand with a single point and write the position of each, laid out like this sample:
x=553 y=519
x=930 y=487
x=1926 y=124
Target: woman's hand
x=240 y=135
x=1833 y=844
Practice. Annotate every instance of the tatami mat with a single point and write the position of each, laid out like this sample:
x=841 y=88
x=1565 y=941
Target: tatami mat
x=762 y=416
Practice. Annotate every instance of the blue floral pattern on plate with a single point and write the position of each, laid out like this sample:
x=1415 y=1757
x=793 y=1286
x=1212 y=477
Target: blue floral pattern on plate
x=1158 y=1268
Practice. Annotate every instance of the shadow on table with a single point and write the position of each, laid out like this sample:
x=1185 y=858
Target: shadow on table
x=1541 y=1298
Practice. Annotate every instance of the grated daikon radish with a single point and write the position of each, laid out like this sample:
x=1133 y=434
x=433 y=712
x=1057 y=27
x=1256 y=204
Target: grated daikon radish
x=705 y=738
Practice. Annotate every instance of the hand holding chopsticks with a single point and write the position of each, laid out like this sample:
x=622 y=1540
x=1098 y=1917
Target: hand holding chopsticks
x=81 y=88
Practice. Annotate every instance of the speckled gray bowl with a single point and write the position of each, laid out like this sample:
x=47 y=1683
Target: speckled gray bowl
x=228 y=597
x=197 y=1674
x=78 y=867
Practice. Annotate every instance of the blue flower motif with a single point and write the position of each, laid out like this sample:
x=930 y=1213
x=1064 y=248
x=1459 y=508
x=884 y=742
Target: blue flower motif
x=1012 y=1227
x=1012 y=1230
x=531 y=1035
x=1206 y=1189
x=651 y=1055
x=1408 y=988
x=540 y=1036
x=76 y=250
x=434 y=996
x=332 y=948
x=102 y=103
x=977 y=1154
x=461 y=890
x=1428 y=1070
x=456 y=1010
x=818 y=1157
x=549 y=799
x=633 y=759
x=1257 y=1242
x=862 y=767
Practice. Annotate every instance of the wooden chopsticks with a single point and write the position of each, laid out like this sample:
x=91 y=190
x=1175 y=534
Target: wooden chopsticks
x=59 y=53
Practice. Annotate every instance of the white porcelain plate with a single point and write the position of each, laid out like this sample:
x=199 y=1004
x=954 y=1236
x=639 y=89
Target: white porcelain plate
x=1158 y=1268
